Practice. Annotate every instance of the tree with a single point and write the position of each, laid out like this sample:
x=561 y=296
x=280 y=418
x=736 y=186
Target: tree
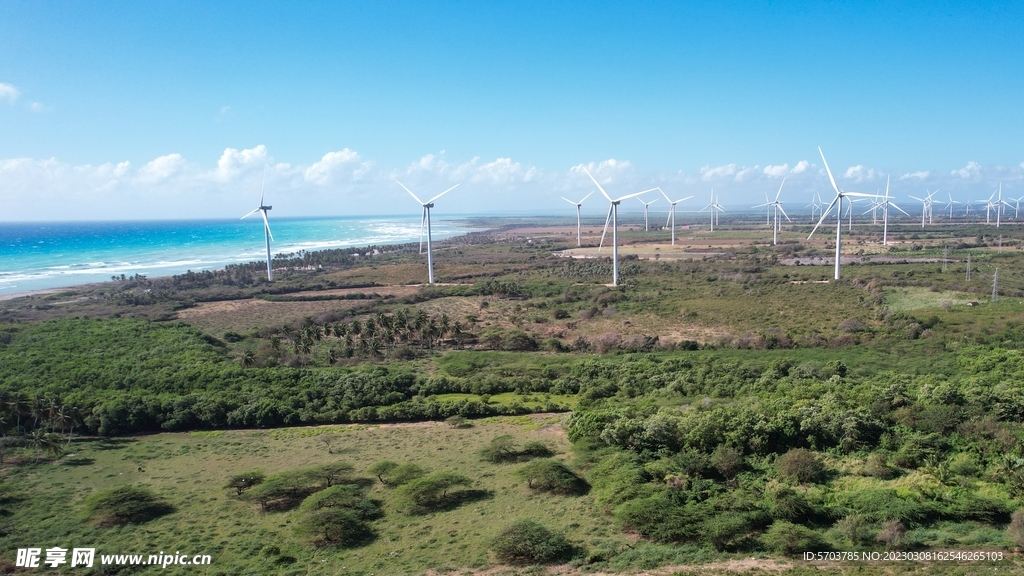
x=549 y=475
x=327 y=440
x=123 y=505
x=337 y=516
x=331 y=474
x=432 y=490
x=246 y=480
x=501 y=449
x=382 y=470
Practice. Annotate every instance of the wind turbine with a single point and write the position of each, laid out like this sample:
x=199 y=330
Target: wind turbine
x=579 y=230
x=672 y=212
x=715 y=208
x=885 y=203
x=950 y=205
x=266 y=223
x=1016 y=207
x=613 y=214
x=778 y=207
x=926 y=207
x=839 y=221
x=426 y=218
x=646 y=204
x=998 y=205
x=815 y=205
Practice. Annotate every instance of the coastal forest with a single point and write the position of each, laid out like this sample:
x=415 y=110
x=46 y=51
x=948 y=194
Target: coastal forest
x=728 y=408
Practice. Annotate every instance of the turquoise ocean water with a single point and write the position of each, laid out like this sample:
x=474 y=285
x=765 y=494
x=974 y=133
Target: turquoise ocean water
x=41 y=255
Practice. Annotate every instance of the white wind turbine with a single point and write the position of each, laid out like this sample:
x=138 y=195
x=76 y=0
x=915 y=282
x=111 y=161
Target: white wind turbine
x=672 y=212
x=715 y=209
x=425 y=218
x=613 y=214
x=950 y=205
x=579 y=229
x=926 y=207
x=885 y=203
x=1016 y=206
x=266 y=223
x=997 y=205
x=646 y=205
x=769 y=204
x=840 y=194
x=816 y=205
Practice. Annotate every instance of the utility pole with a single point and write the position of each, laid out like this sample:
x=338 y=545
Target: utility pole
x=968 y=267
x=995 y=286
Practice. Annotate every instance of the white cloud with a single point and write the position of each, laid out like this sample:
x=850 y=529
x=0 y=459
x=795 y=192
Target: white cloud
x=233 y=162
x=505 y=171
x=604 y=171
x=709 y=173
x=745 y=173
x=776 y=171
x=972 y=170
x=36 y=107
x=920 y=175
x=860 y=173
x=9 y=93
x=800 y=167
x=161 y=168
x=332 y=165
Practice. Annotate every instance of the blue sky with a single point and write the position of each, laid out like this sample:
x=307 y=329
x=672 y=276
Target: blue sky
x=172 y=109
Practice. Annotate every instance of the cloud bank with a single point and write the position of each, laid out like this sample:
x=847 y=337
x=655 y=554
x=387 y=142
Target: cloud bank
x=342 y=182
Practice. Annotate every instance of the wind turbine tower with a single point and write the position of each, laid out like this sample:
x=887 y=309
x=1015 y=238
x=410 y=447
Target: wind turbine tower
x=266 y=223
x=613 y=215
x=777 y=206
x=579 y=229
x=425 y=218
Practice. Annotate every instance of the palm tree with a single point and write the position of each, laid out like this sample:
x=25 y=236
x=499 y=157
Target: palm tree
x=332 y=356
x=248 y=359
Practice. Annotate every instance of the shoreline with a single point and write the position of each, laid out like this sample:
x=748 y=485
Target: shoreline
x=38 y=292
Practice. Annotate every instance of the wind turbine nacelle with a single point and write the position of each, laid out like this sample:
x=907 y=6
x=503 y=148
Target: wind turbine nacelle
x=266 y=207
x=431 y=205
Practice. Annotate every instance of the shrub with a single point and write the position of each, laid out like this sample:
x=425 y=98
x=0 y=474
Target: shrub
x=877 y=465
x=892 y=533
x=244 y=481
x=528 y=542
x=124 y=505
x=788 y=538
x=728 y=461
x=800 y=465
x=501 y=449
x=550 y=475
x=853 y=528
x=457 y=421
x=1015 y=531
x=559 y=314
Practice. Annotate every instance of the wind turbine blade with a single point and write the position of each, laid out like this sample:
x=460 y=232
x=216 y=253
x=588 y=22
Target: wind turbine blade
x=628 y=196
x=585 y=197
x=409 y=191
x=263 y=187
x=830 y=178
x=898 y=208
x=823 y=214
x=669 y=219
x=567 y=200
x=780 y=190
x=250 y=213
x=596 y=184
x=423 y=223
x=607 y=219
x=267 y=224
x=681 y=200
x=783 y=212
x=887 y=186
x=665 y=195
x=442 y=194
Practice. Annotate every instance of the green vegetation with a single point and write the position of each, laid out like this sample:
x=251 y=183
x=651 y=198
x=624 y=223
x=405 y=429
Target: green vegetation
x=124 y=505
x=724 y=405
x=528 y=542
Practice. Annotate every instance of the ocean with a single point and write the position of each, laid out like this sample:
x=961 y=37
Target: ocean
x=42 y=255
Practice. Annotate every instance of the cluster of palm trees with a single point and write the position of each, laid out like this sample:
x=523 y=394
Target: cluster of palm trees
x=43 y=424
x=377 y=336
